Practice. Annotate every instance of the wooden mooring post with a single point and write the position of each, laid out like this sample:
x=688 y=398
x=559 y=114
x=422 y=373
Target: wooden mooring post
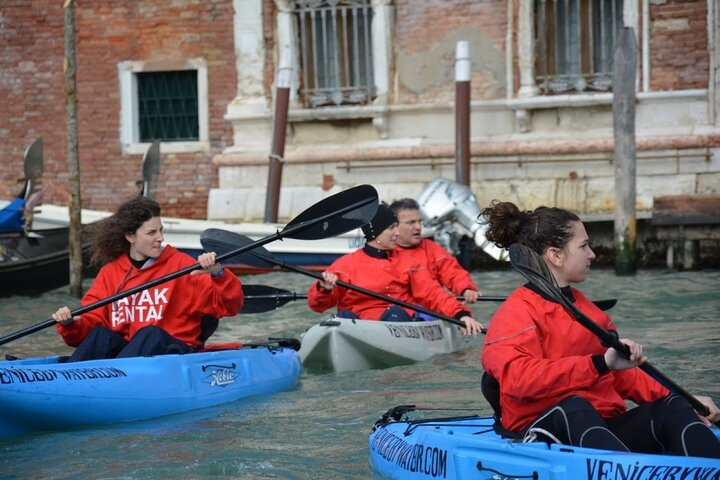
x=683 y=221
x=277 y=151
x=462 y=112
x=74 y=204
x=624 y=79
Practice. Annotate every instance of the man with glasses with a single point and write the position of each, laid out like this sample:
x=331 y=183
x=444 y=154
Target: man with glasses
x=413 y=250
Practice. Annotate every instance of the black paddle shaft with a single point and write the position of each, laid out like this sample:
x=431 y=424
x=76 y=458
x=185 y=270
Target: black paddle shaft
x=221 y=240
x=263 y=298
x=533 y=268
x=357 y=206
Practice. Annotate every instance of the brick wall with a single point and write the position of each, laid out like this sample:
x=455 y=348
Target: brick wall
x=678 y=45
x=31 y=87
x=109 y=32
x=425 y=35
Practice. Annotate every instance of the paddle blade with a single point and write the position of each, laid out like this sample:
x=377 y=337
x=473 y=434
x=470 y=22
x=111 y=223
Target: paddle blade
x=33 y=164
x=263 y=298
x=223 y=241
x=526 y=259
x=535 y=270
x=335 y=215
x=151 y=170
x=531 y=266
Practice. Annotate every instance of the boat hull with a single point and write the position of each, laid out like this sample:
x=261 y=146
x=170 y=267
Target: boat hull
x=342 y=344
x=41 y=394
x=36 y=262
x=469 y=448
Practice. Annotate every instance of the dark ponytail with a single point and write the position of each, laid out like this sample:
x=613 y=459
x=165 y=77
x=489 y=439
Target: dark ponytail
x=540 y=229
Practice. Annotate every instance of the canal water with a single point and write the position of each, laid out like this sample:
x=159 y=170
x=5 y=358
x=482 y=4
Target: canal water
x=320 y=428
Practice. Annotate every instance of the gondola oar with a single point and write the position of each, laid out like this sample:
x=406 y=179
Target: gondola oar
x=334 y=215
x=219 y=240
x=535 y=270
x=264 y=298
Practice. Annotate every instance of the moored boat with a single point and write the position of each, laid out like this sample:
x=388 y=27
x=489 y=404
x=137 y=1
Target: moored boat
x=35 y=262
x=184 y=234
x=342 y=344
x=468 y=447
x=36 y=258
x=44 y=394
x=16 y=215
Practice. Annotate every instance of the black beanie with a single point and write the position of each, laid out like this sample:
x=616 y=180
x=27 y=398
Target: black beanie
x=384 y=217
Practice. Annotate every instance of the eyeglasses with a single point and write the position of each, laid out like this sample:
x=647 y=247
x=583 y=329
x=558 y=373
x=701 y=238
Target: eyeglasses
x=412 y=222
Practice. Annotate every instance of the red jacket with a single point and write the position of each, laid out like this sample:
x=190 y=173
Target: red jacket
x=176 y=306
x=541 y=355
x=440 y=263
x=380 y=275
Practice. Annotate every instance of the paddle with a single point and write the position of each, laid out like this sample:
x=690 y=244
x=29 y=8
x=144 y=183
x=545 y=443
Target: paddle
x=219 y=240
x=536 y=271
x=264 y=298
x=331 y=216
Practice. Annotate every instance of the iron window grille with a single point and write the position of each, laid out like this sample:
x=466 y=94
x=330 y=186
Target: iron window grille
x=335 y=52
x=168 y=106
x=574 y=44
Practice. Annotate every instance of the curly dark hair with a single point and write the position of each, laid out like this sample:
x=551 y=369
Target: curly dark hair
x=108 y=235
x=539 y=229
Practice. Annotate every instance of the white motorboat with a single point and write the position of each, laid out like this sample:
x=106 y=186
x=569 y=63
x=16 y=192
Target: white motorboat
x=184 y=234
x=449 y=209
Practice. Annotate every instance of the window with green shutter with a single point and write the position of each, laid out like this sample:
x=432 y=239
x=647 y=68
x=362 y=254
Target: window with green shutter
x=168 y=105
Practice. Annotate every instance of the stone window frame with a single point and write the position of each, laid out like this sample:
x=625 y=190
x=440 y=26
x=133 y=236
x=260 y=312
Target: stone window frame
x=381 y=32
x=528 y=96
x=582 y=63
x=526 y=46
x=129 y=111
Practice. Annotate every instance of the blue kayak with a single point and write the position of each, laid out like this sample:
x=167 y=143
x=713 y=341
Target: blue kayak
x=468 y=447
x=41 y=394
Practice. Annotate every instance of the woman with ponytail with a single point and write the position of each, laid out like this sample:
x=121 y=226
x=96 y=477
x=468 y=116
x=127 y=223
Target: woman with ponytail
x=557 y=382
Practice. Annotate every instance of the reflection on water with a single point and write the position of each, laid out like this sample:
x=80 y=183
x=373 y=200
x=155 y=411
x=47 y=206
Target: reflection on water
x=320 y=429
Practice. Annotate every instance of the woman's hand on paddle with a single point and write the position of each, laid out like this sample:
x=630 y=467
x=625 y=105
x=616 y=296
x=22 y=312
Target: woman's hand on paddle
x=714 y=416
x=618 y=361
x=64 y=316
x=207 y=262
x=472 y=326
x=329 y=281
x=471 y=296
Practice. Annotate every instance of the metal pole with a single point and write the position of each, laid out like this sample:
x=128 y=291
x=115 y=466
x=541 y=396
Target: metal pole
x=282 y=97
x=624 y=77
x=462 y=113
x=74 y=204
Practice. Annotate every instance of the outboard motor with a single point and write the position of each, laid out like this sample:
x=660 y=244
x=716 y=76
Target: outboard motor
x=451 y=211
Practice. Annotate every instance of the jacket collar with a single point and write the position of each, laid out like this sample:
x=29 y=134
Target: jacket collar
x=566 y=291
x=375 y=252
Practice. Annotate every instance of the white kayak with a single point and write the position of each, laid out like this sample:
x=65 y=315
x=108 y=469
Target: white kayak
x=343 y=344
